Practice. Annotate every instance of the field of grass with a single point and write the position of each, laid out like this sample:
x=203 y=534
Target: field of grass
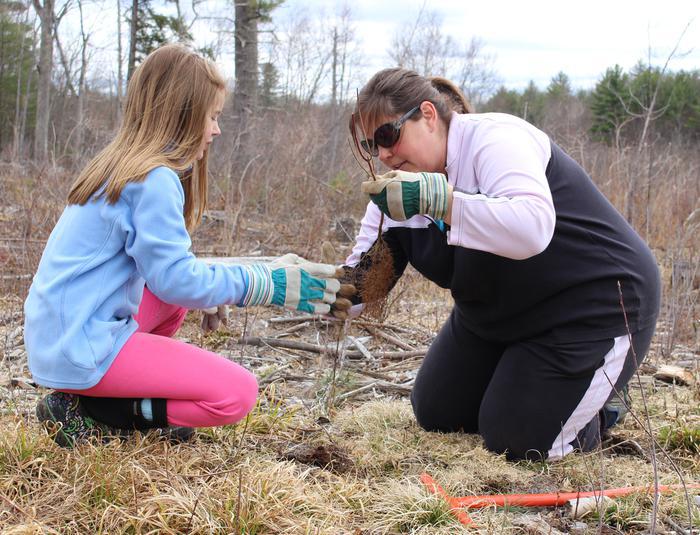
x=332 y=446
x=322 y=454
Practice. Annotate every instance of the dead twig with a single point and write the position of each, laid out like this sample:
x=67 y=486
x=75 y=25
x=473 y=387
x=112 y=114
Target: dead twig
x=385 y=386
x=320 y=349
x=649 y=431
x=291 y=319
x=391 y=355
x=393 y=339
x=361 y=348
x=372 y=374
x=295 y=328
x=352 y=393
x=287 y=344
x=397 y=328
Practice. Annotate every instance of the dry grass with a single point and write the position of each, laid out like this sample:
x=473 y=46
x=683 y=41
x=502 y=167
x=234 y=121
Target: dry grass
x=243 y=479
x=239 y=479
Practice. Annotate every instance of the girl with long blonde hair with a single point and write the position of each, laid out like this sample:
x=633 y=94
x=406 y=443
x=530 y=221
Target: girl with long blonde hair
x=117 y=275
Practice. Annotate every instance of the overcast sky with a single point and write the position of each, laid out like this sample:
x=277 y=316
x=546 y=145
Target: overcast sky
x=527 y=39
x=536 y=39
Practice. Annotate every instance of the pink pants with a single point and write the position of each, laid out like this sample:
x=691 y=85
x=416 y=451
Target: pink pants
x=202 y=389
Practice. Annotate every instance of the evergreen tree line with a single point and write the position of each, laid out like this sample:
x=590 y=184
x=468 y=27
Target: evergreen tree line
x=617 y=108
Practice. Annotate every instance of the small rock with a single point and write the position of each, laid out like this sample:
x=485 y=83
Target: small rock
x=578 y=527
x=674 y=374
x=535 y=525
x=582 y=506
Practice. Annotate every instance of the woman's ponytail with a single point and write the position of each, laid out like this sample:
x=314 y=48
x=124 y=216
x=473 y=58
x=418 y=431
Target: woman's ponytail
x=454 y=98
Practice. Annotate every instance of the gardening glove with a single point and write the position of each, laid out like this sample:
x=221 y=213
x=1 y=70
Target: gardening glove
x=401 y=195
x=292 y=282
x=213 y=317
x=341 y=307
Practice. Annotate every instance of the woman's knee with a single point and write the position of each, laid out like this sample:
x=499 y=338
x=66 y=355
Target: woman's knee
x=517 y=440
x=432 y=415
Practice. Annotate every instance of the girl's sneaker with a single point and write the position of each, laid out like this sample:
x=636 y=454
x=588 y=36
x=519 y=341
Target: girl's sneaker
x=175 y=435
x=69 y=424
x=66 y=422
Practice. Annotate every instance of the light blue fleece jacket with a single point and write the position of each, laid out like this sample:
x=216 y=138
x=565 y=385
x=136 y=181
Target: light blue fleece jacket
x=89 y=284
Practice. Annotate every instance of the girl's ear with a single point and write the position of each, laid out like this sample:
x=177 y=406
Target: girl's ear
x=430 y=114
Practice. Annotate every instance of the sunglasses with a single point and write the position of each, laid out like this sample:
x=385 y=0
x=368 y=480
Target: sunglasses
x=387 y=134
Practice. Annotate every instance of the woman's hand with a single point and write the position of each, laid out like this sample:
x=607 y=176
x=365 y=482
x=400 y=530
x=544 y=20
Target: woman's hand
x=401 y=195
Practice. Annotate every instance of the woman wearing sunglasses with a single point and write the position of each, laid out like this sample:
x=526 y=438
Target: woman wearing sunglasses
x=555 y=295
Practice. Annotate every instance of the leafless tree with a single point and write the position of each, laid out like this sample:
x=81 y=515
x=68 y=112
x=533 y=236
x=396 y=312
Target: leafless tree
x=82 y=89
x=22 y=97
x=66 y=61
x=347 y=55
x=474 y=71
x=133 y=31
x=43 y=105
x=305 y=49
x=425 y=48
x=120 y=73
x=650 y=111
x=245 y=96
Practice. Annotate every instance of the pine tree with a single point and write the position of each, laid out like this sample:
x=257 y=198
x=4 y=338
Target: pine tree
x=559 y=87
x=610 y=101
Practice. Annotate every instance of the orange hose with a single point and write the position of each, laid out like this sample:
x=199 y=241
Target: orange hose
x=433 y=487
x=555 y=498
x=530 y=500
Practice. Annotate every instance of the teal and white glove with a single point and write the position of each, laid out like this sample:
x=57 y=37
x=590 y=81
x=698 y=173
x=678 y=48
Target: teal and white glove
x=401 y=195
x=292 y=282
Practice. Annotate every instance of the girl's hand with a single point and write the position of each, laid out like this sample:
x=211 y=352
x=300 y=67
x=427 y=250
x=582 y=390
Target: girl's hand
x=213 y=317
x=292 y=282
x=401 y=195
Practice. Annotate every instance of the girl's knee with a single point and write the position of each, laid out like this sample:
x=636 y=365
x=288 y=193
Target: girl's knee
x=249 y=392
x=241 y=399
x=230 y=399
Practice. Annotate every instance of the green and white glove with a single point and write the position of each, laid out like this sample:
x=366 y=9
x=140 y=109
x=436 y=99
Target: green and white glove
x=292 y=282
x=401 y=195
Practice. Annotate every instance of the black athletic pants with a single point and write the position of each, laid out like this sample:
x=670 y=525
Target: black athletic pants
x=536 y=399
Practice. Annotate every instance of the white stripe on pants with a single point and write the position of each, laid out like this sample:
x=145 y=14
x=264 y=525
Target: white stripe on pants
x=593 y=399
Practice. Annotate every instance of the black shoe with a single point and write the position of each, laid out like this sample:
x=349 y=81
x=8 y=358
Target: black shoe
x=66 y=422
x=616 y=409
x=174 y=435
